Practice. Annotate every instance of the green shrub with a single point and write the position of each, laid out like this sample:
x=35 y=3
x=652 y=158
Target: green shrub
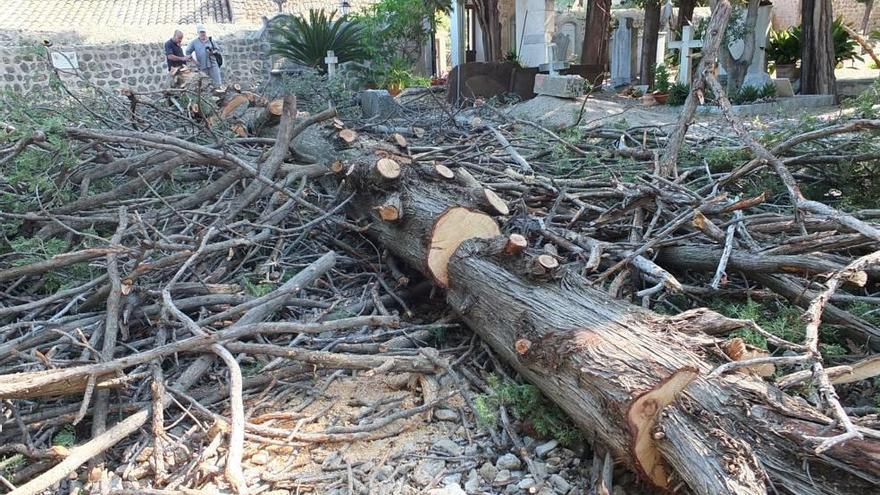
x=768 y=90
x=845 y=48
x=306 y=41
x=785 y=46
x=678 y=93
x=746 y=94
x=528 y=405
x=661 y=79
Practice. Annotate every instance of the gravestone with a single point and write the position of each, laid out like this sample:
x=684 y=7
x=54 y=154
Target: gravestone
x=559 y=86
x=378 y=104
x=623 y=53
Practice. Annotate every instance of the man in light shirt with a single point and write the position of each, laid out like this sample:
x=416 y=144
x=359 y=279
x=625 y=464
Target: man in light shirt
x=205 y=50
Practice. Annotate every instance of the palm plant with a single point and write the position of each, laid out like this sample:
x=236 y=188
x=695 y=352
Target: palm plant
x=306 y=41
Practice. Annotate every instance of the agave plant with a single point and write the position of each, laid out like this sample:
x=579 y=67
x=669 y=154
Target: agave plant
x=306 y=41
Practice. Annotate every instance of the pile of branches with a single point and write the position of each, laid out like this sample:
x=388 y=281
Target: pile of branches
x=159 y=244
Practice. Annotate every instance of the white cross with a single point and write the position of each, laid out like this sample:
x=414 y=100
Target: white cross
x=684 y=53
x=331 y=61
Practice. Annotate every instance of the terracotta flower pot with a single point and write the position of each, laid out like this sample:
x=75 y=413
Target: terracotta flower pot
x=786 y=71
x=660 y=98
x=395 y=89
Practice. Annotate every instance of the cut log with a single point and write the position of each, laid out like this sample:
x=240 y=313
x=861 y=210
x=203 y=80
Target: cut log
x=232 y=104
x=399 y=139
x=387 y=168
x=390 y=210
x=444 y=171
x=596 y=357
x=642 y=417
x=515 y=244
x=544 y=264
x=495 y=202
x=453 y=227
x=270 y=116
x=348 y=136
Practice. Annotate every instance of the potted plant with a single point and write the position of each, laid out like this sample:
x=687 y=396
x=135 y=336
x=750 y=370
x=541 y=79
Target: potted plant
x=661 y=84
x=784 y=50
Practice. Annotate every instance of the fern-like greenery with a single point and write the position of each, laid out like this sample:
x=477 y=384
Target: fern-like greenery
x=307 y=40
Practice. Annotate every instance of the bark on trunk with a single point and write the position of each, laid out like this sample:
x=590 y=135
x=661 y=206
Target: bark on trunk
x=817 y=48
x=685 y=13
x=737 y=68
x=649 y=43
x=613 y=366
x=490 y=24
x=596 y=27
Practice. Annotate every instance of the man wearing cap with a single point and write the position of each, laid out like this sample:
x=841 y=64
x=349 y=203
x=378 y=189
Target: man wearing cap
x=204 y=49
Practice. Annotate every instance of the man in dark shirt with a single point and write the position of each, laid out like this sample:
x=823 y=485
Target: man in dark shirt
x=174 y=53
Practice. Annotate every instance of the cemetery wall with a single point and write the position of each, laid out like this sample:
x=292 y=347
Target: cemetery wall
x=140 y=66
x=788 y=13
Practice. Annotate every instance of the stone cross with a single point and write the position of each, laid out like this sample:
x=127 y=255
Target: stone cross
x=684 y=53
x=331 y=61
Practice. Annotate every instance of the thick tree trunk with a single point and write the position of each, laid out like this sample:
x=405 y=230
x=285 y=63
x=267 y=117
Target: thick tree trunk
x=649 y=41
x=866 y=18
x=490 y=24
x=611 y=366
x=737 y=68
x=817 y=48
x=685 y=13
x=594 y=50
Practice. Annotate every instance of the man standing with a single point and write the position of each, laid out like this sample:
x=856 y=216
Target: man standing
x=174 y=53
x=205 y=51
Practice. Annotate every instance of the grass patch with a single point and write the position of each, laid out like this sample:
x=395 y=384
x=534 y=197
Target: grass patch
x=528 y=404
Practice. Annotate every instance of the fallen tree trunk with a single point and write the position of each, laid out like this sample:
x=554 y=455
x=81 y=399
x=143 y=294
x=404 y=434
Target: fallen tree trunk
x=611 y=366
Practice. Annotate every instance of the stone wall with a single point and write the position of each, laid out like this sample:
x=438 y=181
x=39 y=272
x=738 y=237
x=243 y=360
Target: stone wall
x=787 y=13
x=140 y=66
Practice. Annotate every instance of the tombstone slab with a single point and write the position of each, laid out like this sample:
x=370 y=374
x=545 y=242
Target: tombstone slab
x=783 y=88
x=378 y=103
x=559 y=86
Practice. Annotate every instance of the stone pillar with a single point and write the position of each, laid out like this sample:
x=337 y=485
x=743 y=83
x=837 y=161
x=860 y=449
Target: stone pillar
x=458 y=32
x=535 y=25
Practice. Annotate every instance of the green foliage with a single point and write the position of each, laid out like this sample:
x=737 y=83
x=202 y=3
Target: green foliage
x=782 y=320
x=32 y=249
x=867 y=104
x=527 y=404
x=306 y=41
x=785 y=46
x=746 y=94
x=314 y=90
x=397 y=28
x=258 y=289
x=65 y=436
x=661 y=79
x=678 y=93
x=768 y=90
x=513 y=57
x=845 y=48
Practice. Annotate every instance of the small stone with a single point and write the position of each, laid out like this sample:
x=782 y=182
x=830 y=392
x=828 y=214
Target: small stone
x=472 y=485
x=452 y=479
x=453 y=489
x=471 y=450
x=528 y=441
x=570 y=86
x=502 y=477
x=427 y=470
x=384 y=473
x=488 y=471
x=260 y=458
x=559 y=484
x=508 y=461
x=448 y=446
x=545 y=448
x=445 y=415
x=526 y=483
